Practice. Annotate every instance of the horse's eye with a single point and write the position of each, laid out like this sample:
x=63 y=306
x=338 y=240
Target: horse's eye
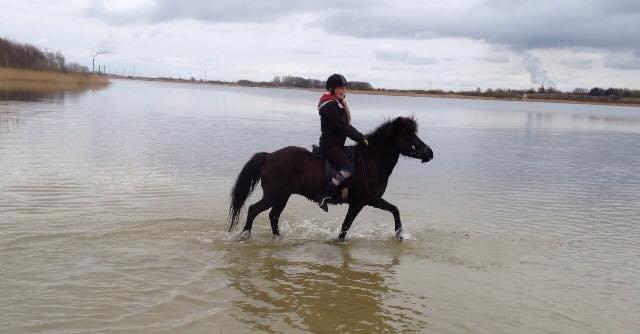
x=413 y=147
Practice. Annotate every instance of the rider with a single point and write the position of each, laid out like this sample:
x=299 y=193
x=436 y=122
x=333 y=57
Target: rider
x=335 y=123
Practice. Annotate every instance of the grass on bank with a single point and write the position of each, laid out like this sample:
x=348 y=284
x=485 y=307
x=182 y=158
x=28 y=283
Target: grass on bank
x=12 y=79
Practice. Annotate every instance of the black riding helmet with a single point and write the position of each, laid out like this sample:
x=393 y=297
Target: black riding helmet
x=335 y=80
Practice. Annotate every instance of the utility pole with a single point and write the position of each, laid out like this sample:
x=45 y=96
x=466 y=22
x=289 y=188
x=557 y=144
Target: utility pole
x=205 y=75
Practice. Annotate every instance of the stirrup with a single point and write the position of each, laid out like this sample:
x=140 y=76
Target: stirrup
x=326 y=195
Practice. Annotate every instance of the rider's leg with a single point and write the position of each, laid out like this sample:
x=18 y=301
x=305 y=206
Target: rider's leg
x=338 y=158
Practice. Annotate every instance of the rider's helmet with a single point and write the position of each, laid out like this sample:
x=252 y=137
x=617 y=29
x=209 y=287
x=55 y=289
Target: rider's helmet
x=335 y=80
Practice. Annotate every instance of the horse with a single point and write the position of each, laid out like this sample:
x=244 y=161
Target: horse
x=295 y=170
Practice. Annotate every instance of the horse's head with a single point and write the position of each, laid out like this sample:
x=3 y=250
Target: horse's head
x=402 y=134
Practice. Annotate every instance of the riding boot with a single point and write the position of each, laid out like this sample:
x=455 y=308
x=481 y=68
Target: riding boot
x=324 y=197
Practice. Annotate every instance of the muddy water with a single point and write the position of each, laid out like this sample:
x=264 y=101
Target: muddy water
x=113 y=207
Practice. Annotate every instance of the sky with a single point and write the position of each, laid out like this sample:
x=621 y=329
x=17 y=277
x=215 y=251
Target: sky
x=451 y=45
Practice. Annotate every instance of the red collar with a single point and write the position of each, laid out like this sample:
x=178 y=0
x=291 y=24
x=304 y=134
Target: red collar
x=326 y=97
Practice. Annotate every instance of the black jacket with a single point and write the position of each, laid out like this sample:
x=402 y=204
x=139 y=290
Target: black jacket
x=335 y=127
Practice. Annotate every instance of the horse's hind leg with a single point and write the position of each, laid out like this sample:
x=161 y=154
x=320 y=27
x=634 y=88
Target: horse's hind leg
x=274 y=215
x=254 y=210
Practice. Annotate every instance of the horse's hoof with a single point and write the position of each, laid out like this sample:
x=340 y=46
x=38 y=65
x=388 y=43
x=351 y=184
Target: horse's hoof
x=276 y=236
x=245 y=235
x=398 y=234
x=342 y=236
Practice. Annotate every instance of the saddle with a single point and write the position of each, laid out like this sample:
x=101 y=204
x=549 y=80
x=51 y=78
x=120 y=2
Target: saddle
x=329 y=169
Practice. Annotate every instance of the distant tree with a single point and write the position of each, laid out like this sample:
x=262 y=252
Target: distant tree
x=75 y=67
x=615 y=92
x=245 y=83
x=18 y=55
x=552 y=90
x=596 y=91
x=360 y=85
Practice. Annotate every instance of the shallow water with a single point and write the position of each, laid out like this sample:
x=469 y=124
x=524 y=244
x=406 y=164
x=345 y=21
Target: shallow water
x=113 y=207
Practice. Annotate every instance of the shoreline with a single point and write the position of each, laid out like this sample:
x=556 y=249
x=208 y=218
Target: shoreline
x=491 y=98
x=394 y=93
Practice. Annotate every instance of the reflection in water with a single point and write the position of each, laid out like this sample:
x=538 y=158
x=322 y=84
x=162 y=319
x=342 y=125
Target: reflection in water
x=537 y=119
x=31 y=95
x=9 y=120
x=612 y=120
x=315 y=295
x=49 y=95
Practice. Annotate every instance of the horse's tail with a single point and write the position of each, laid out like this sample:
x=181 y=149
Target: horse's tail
x=247 y=180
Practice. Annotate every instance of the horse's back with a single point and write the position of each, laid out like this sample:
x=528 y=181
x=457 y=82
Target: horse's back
x=294 y=167
x=293 y=152
x=295 y=149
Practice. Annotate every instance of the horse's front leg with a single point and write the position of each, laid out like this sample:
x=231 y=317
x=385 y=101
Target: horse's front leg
x=386 y=206
x=354 y=210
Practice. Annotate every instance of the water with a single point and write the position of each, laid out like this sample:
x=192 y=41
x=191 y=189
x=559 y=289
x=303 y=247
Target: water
x=113 y=207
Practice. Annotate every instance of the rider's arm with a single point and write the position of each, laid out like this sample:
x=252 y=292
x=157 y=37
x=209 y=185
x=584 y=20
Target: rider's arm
x=338 y=124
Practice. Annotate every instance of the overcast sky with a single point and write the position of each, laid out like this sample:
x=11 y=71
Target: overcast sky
x=392 y=44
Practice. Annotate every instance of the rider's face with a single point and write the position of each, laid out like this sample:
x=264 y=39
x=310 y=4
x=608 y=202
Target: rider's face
x=340 y=92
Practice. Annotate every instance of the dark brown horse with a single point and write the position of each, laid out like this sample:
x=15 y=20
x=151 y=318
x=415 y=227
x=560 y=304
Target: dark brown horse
x=295 y=170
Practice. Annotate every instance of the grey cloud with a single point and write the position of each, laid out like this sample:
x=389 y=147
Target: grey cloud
x=624 y=61
x=619 y=6
x=496 y=54
x=219 y=11
x=406 y=57
x=496 y=58
x=578 y=63
x=303 y=51
x=522 y=25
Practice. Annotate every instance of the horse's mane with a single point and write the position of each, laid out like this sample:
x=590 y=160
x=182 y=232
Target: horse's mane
x=391 y=127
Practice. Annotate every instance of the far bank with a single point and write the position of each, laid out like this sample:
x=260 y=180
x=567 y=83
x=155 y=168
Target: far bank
x=549 y=98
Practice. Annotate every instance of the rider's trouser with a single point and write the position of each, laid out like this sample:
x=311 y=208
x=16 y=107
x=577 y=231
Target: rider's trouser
x=338 y=159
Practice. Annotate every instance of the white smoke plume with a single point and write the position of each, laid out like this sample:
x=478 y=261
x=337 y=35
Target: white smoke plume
x=536 y=71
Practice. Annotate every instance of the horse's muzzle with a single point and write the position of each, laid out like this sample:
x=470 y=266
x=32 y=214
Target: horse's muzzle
x=426 y=155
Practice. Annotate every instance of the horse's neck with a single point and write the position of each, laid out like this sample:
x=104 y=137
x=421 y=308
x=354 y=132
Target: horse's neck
x=385 y=161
